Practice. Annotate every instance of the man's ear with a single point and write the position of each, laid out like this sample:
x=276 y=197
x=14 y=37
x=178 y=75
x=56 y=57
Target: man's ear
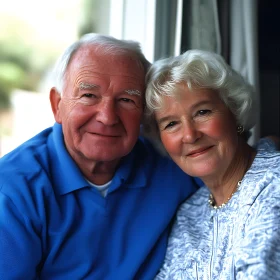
x=55 y=99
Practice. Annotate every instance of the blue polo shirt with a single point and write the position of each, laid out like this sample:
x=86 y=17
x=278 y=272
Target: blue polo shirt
x=53 y=225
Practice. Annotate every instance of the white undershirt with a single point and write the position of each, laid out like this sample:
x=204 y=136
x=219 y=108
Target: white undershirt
x=101 y=188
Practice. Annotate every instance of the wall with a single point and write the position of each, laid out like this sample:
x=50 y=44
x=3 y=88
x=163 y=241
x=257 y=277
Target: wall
x=269 y=63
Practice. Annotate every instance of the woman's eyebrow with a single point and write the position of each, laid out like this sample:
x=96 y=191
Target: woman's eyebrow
x=164 y=119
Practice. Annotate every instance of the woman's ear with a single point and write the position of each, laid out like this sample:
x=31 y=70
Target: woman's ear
x=55 y=99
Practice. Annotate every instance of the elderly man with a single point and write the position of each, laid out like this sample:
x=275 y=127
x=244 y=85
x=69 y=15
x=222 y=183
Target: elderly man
x=87 y=198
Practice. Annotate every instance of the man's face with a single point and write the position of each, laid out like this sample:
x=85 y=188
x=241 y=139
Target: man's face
x=101 y=105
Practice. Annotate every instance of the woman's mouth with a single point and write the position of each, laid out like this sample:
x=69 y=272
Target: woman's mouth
x=198 y=152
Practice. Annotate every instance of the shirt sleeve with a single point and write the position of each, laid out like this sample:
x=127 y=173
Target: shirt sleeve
x=268 y=144
x=258 y=256
x=20 y=245
x=164 y=271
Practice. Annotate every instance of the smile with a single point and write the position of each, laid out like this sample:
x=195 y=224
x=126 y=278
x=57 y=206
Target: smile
x=199 y=152
x=103 y=135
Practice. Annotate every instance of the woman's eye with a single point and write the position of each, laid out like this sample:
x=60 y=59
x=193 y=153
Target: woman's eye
x=169 y=125
x=203 y=112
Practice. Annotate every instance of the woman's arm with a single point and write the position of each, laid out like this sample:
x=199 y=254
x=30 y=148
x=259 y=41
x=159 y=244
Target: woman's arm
x=258 y=256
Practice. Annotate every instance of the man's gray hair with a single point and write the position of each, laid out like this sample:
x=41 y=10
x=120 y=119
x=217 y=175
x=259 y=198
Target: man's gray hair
x=106 y=44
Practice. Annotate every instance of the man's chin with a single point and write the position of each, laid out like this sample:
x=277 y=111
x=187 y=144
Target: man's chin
x=106 y=152
x=103 y=157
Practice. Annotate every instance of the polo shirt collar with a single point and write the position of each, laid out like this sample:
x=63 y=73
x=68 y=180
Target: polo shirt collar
x=128 y=174
x=66 y=174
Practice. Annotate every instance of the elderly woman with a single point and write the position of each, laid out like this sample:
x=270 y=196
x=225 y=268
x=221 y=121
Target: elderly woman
x=230 y=228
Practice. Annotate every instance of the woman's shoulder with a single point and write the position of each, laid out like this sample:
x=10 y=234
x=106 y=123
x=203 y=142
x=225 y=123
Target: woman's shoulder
x=195 y=205
x=269 y=143
x=267 y=158
x=267 y=148
x=263 y=178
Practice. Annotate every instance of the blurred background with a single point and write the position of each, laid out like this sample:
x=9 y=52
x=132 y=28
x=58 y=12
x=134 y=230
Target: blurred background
x=33 y=33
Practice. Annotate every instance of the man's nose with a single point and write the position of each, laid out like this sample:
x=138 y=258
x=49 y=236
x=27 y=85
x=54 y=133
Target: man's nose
x=107 y=112
x=191 y=133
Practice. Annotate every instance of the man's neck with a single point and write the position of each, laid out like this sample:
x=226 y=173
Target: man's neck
x=97 y=172
x=100 y=173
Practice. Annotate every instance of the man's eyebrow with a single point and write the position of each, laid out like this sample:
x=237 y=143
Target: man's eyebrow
x=133 y=92
x=87 y=86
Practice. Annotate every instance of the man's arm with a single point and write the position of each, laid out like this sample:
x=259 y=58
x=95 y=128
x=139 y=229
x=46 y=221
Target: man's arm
x=20 y=246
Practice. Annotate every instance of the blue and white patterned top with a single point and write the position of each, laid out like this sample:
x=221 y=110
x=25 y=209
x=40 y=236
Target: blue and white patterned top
x=240 y=240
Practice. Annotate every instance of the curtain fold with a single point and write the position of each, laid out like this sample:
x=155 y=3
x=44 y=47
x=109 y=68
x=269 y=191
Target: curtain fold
x=244 y=49
x=201 y=29
x=230 y=28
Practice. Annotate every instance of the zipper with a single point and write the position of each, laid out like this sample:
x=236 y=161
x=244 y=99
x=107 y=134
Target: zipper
x=196 y=270
x=214 y=243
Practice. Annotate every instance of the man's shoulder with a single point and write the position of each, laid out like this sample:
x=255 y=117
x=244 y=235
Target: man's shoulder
x=149 y=153
x=27 y=160
x=27 y=150
x=157 y=163
x=159 y=173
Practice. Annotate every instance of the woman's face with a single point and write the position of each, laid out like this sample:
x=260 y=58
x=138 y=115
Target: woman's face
x=198 y=131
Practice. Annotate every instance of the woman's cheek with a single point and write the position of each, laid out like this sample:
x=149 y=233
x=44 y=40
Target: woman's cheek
x=171 y=142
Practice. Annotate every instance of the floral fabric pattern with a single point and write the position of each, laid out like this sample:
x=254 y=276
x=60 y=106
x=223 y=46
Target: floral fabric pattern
x=240 y=240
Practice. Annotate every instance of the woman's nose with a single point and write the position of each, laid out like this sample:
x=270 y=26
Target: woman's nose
x=190 y=133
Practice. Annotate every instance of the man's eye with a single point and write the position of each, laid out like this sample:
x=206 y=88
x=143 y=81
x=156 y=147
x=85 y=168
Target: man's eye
x=89 y=95
x=127 y=100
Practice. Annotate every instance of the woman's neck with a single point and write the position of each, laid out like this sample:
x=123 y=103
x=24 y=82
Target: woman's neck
x=224 y=186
